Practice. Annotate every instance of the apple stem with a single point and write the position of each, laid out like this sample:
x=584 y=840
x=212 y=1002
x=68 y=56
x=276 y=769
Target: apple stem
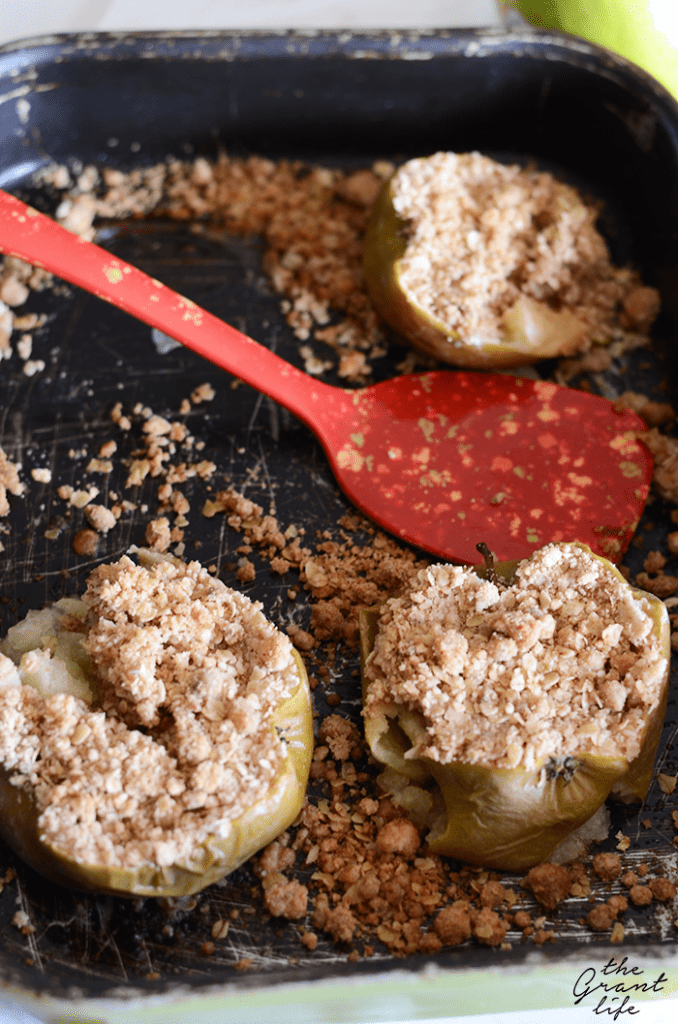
x=490 y=563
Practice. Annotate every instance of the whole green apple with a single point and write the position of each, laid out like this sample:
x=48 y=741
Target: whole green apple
x=643 y=31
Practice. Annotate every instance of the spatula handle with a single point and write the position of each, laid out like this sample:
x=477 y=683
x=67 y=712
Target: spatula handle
x=28 y=234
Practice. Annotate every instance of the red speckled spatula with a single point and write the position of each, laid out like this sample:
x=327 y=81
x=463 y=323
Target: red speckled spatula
x=442 y=459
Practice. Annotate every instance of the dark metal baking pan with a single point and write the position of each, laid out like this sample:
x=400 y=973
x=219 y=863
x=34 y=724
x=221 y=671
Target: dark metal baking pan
x=340 y=100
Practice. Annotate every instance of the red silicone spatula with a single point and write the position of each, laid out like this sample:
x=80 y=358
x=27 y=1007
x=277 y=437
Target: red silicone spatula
x=443 y=460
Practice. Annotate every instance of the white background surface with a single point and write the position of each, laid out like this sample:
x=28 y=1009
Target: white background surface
x=662 y=1012
x=25 y=18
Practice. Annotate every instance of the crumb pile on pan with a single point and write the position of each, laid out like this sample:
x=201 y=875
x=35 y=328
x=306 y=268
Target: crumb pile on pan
x=515 y=232
x=179 y=744
x=564 y=659
x=311 y=218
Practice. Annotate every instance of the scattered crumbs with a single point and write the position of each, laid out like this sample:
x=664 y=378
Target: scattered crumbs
x=9 y=482
x=118 y=417
x=99 y=466
x=667 y=783
x=77 y=498
x=601 y=917
x=245 y=963
x=655 y=414
x=22 y=921
x=220 y=929
x=550 y=883
x=158 y=534
x=33 y=366
x=314 y=366
x=665 y=454
x=41 y=475
x=607 y=866
x=203 y=393
x=640 y=895
x=624 y=841
x=308 y=216
x=660 y=584
x=284 y=897
x=247 y=572
x=24 y=346
x=309 y=939
x=85 y=543
x=100 y=518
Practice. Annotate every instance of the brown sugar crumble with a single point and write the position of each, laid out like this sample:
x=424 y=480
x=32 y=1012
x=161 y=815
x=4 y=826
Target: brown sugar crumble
x=550 y=883
x=490 y=668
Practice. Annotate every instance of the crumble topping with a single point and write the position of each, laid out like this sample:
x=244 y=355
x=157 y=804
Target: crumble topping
x=482 y=234
x=564 y=660
x=179 y=743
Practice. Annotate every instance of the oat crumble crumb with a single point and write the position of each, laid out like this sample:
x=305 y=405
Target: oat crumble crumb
x=158 y=534
x=550 y=884
x=22 y=921
x=203 y=393
x=100 y=518
x=85 y=543
x=607 y=866
x=9 y=481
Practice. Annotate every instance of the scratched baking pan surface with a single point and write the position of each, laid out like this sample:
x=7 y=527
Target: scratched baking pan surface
x=341 y=102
